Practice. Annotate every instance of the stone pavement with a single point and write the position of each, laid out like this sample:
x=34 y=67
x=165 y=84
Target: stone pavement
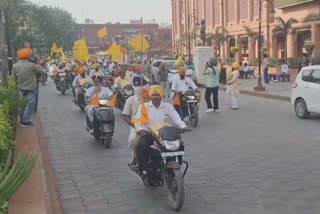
x=258 y=160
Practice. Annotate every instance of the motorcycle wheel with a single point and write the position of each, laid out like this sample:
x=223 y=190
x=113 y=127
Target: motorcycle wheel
x=176 y=190
x=194 y=119
x=107 y=141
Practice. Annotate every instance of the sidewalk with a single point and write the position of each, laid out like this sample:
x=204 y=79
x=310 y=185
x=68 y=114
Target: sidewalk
x=274 y=90
x=38 y=194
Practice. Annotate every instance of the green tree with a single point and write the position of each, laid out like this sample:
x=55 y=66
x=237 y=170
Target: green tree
x=282 y=30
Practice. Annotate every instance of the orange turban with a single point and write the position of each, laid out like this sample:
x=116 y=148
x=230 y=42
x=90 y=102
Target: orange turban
x=24 y=53
x=136 y=68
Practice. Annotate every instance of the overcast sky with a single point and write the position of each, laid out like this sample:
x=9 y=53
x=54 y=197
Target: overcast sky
x=102 y=11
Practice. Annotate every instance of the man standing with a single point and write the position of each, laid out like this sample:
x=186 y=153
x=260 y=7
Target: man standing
x=301 y=61
x=265 y=66
x=25 y=74
x=163 y=79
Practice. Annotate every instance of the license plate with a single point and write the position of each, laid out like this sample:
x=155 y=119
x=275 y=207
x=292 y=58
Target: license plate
x=171 y=154
x=192 y=101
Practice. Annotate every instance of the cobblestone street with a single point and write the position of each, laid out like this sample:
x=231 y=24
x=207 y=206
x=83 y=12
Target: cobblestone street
x=258 y=160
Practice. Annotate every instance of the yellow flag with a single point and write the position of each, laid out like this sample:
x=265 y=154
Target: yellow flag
x=102 y=32
x=139 y=43
x=80 y=50
x=54 y=48
x=144 y=115
x=115 y=51
x=179 y=61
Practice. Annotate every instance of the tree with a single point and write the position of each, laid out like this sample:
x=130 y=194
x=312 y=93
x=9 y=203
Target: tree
x=250 y=32
x=282 y=30
x=219 y=37
x=309 y=46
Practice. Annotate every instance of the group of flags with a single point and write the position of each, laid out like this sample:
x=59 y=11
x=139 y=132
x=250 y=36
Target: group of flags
x=56 y=50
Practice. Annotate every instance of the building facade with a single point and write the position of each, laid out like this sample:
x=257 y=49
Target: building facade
x=240 y=19
x=123 y=33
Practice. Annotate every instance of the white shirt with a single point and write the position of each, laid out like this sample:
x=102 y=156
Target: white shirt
x=78 y=81
x=284 y=68
x=164 y=114
x=180 y=85
x=104 y=93
x=120 y=83
x=245 y=68
x=96 y=73
x=68 y=66
x=111 y=67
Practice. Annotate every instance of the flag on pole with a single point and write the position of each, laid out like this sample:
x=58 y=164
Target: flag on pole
x=115 y=51
x=80 y=50
x=54 y=48
x=139 y=43
x=113 y=101
x=102 y=32
x=179 y=61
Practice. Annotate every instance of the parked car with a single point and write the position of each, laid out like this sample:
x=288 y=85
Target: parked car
x=173 y=69
x=306 y=92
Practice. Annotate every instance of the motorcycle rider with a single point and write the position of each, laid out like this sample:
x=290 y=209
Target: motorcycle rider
x=81 y=80
x=140 y=87
x=180 y=84
x=158 y=112
x=93 y=94
x=59 y=69
x=96 y=72
x=121 y=81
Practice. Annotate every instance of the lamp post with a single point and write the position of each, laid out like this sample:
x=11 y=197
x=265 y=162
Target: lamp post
x=260 y=87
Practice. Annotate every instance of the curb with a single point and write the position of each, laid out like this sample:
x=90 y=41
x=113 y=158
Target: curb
x=261 y=94
x=38 y=193
x=52 y=198
x=255 y=94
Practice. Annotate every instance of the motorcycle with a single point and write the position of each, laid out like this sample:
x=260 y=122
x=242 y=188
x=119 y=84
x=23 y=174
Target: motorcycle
x=81 y=97
x=103 y=123
x=62 y=83
x=164 y=168
x=190 y=106
x=123 y=95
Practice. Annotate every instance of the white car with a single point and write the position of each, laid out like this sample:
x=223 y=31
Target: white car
x=173 y=70
x=306 y=92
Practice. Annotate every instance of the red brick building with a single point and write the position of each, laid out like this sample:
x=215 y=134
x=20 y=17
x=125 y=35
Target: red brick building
x=123 y=33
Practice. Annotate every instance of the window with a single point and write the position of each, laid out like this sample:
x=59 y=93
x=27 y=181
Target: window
x=315 y=77
x=306 y=74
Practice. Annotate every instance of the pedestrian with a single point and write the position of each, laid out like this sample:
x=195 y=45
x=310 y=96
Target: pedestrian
x=163 y=79
x=301 y=61
x=25 y=73
x=265 y=65
x=232 y=85
x=212 y=76
x=284 y=71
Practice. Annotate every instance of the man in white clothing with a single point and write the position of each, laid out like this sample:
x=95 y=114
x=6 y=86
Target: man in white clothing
x=159 y=112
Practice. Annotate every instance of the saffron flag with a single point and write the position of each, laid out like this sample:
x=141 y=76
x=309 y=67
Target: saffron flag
x=115 y=51
x=102 y=32
x=139 y=43
x=144 y=115
x=113 y=101
x=80 y=50
x=54 y=48
x=179 y=61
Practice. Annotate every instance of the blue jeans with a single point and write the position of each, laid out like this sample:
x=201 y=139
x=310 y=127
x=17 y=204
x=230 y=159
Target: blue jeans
x=280 y=75
x=266 y=76
x=27 y=111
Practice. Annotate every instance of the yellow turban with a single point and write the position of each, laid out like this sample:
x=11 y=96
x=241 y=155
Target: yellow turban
x=156 y=89
x=182 y=70
x=235 y=66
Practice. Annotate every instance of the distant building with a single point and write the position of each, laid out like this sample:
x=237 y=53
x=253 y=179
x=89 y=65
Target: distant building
x=122 y=33
x=234 y=15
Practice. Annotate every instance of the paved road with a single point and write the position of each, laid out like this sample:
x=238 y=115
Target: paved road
x=258 y=160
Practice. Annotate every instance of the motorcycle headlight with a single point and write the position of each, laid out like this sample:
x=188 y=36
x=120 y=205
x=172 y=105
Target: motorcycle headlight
x=191 y=97
x=103 y=102
x=171 y=145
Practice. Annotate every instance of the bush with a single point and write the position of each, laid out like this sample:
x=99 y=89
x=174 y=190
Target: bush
x=315 y=61
x=227 y=61
x=6 y=132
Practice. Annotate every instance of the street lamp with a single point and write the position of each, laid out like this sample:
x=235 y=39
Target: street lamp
x=260 y=87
